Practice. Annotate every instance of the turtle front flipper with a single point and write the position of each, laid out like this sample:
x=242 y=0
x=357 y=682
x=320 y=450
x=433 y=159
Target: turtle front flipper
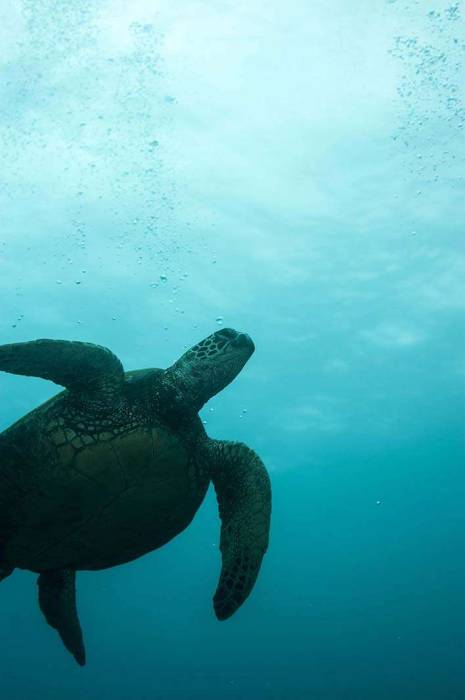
x=57 y=600
x=87 y=369
x=243 y=489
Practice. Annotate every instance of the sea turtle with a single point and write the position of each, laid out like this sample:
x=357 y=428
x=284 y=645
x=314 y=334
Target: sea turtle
x=118 y=464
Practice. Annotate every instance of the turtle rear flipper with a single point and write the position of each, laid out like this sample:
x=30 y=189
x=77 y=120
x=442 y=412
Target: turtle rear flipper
x=92 y=371
x=244 y=496
x=57 y=600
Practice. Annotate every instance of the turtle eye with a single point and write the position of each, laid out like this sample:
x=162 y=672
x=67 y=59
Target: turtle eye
x=227 y=333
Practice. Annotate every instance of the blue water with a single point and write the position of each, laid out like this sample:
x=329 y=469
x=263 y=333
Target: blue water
x=294 y=170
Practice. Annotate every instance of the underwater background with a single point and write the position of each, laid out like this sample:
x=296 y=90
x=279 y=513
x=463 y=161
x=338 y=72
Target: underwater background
x=294 y=170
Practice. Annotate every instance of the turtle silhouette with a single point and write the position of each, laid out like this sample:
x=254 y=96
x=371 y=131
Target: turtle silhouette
x=117 y=464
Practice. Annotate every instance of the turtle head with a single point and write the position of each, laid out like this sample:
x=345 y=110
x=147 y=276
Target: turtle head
x=209 y=366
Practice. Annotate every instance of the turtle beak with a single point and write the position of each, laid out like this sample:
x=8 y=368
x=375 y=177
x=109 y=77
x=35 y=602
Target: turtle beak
x=236 y=339
x=243 y=340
